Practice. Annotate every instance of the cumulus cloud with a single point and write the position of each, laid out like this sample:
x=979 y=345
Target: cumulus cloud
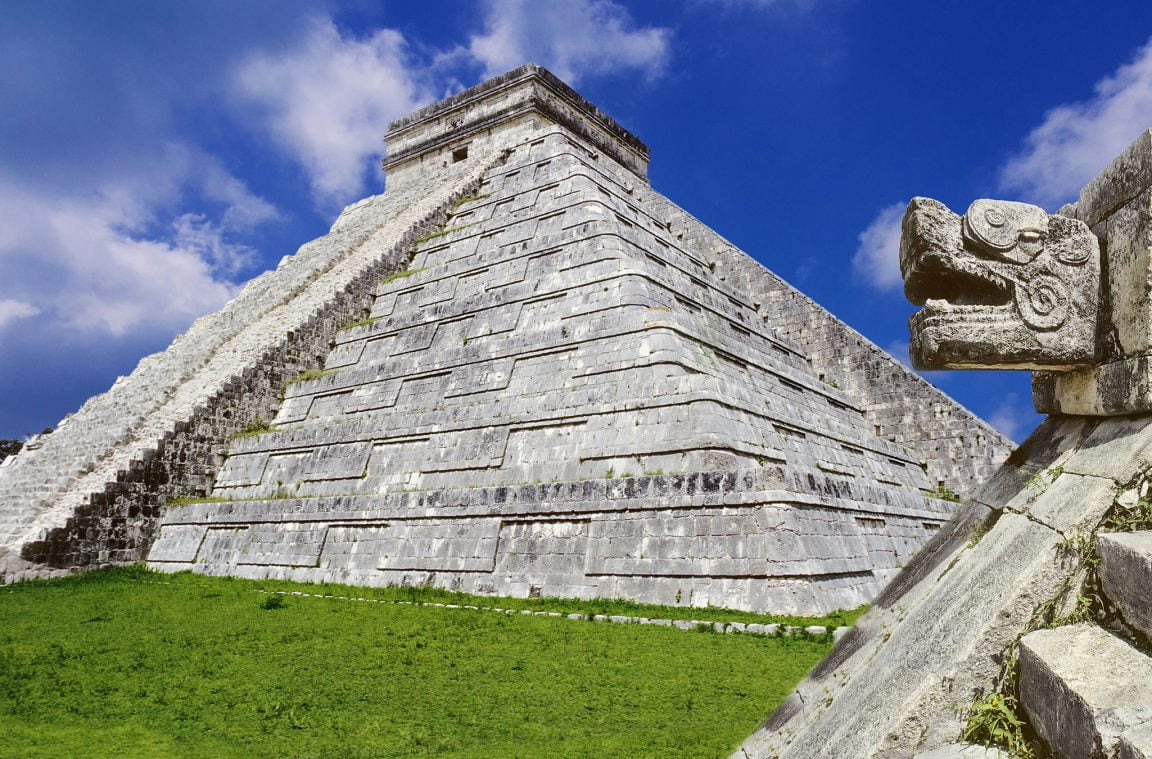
x=102 y=265
x=1076 y=140
x=572 y=38
x=877 y=257
x=328 y=100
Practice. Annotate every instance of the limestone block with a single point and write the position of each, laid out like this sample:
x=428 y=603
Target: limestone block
x=1123 y=179
x=1082 y=687
x=177 y=543
x=1126 y=576
x=1136 y=743
x=1116 y=448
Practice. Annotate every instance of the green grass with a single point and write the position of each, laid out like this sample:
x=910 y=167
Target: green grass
x=359 y=323
x=606 y=606
x=311 y=374
x=129 y=663
x=399 y=275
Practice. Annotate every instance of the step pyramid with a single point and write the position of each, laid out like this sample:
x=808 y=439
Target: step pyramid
x=558 y=396
x=566 y=385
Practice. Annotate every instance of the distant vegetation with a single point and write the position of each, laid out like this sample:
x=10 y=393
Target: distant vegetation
x=10 y=448
x=130 y=663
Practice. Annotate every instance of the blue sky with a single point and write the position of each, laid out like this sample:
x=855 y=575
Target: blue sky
x=154 y=156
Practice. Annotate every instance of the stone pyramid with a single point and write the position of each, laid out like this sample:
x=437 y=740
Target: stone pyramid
x=538 y=377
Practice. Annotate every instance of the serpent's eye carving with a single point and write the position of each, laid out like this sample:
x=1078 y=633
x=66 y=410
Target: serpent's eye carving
x=1004 y=286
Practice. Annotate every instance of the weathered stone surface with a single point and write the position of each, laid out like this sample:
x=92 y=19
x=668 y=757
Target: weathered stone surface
x=1082 y=688
x=897 y=684
x=1129 y=174
x=1126 y=576
x=1136 y=743
x=964 y=751
x=1117 y=205
x=91 y=492
x=555 y=332
x=1005 y=286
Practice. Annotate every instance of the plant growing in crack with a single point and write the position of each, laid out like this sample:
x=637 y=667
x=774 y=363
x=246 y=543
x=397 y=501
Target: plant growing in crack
x=992 y=721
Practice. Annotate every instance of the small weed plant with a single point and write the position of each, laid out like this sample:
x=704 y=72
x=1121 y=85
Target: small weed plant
x=311 y=374
x=272 y=602
x=992 y=721
x=359 y=323
x=1131 y=519
x=979 y=530
x=256 y=427
x=399 y=275
x=945 y=493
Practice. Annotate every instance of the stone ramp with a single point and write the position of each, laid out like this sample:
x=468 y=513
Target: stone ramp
x=937 y=636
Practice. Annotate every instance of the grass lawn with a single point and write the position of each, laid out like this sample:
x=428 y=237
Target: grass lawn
x=129 y=663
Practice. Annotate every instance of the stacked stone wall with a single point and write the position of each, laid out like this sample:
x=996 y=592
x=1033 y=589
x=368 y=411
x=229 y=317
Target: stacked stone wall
x=958 y=449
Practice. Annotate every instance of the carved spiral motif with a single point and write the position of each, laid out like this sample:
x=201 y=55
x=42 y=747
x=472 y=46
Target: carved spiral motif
x=1043 y=302
x=1074 y=253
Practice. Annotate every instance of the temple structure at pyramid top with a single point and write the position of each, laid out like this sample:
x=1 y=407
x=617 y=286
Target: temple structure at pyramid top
x=518 y=371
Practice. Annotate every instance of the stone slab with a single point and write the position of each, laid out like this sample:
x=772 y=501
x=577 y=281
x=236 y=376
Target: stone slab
x=1083 y=687
x=1126 y=576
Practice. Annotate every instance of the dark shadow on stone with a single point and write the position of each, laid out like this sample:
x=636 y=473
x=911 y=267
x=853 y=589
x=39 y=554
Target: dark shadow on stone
x=842 y=651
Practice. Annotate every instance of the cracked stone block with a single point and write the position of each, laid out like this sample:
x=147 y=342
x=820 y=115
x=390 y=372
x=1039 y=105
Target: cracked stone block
x=1126 y=575
x=1082 y=688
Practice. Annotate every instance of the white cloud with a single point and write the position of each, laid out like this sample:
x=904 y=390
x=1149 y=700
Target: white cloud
x=572 y=38
x=1077 y=140
x=877 y=257
x=328 y=101
x=11 y=310
x=90 y=267
x=1010 y=418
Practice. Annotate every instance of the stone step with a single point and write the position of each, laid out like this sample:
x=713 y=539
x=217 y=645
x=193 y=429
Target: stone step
x=1085 y=690
x=1126 y=576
